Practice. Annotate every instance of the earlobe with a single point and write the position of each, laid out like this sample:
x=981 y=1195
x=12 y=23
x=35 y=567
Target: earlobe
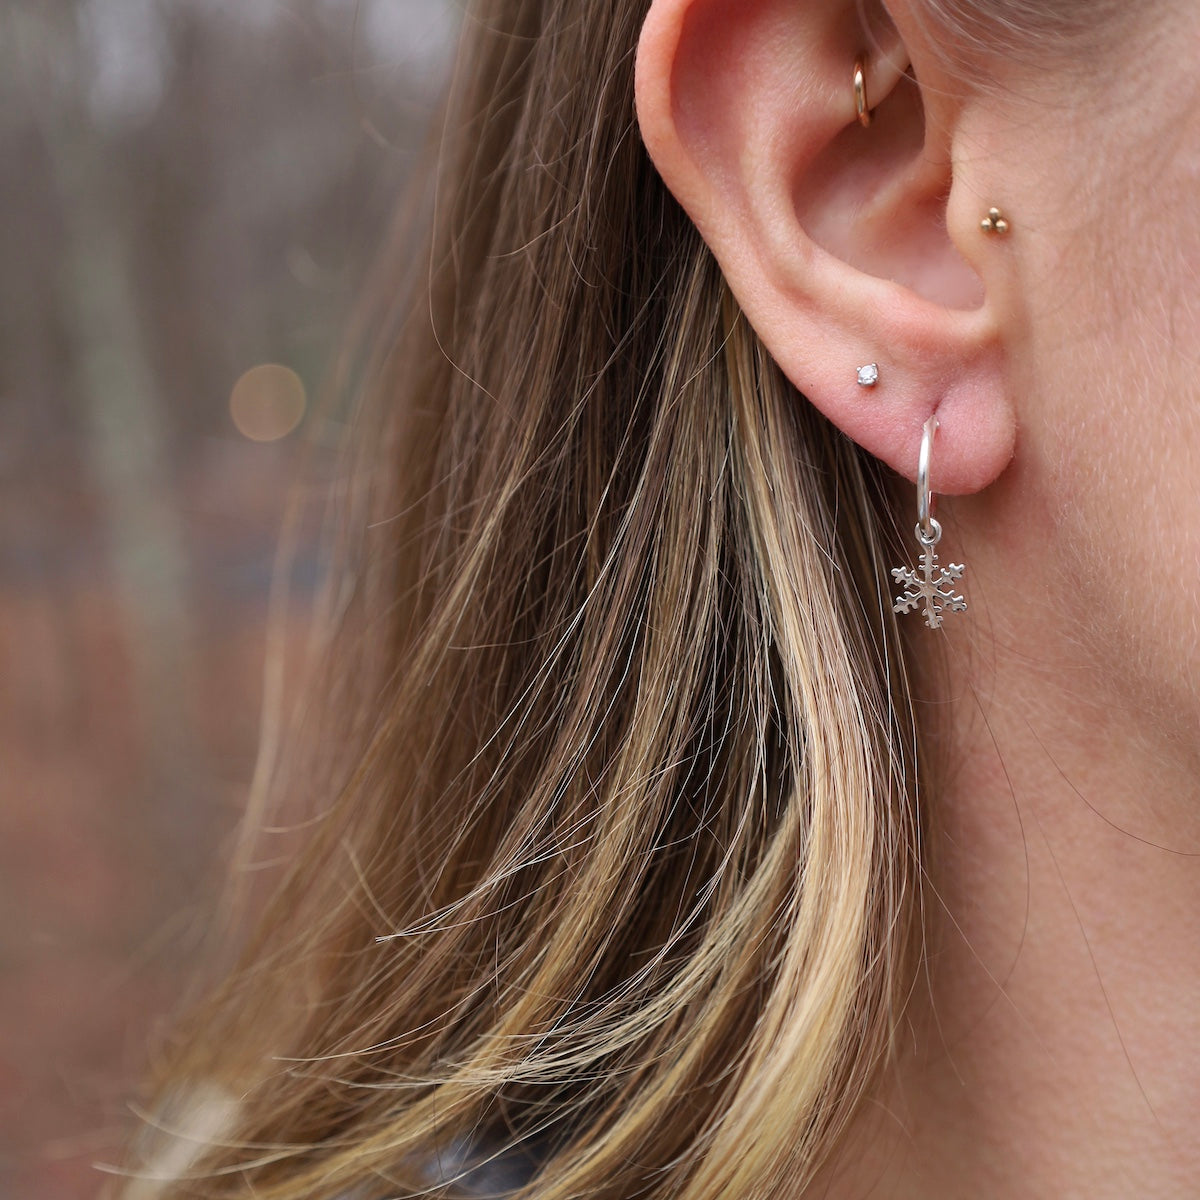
x=832 y=235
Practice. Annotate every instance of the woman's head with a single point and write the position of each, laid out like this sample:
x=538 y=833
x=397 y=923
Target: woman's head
x=616 y=796
x=1067 y=340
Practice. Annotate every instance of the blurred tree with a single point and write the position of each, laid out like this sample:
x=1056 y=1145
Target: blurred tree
x=190 y=188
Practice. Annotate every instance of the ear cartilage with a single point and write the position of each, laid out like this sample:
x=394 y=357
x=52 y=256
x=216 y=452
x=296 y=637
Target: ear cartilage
x=995 y=222
x=868 y=376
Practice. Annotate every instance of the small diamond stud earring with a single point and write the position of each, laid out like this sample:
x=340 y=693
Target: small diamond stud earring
x=994 y=222
x=868 y=376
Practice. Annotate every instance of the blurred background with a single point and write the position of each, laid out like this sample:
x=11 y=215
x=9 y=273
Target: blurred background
x=192 y=193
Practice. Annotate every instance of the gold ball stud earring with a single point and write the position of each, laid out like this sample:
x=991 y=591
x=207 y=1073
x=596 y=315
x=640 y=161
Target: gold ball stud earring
x=994 y=222
x=861 y=107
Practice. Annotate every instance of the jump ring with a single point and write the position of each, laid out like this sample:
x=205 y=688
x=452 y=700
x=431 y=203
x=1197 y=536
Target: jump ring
x=933 y=536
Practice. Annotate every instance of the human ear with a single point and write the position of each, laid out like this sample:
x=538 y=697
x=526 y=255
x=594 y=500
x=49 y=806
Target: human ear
x=843 y=244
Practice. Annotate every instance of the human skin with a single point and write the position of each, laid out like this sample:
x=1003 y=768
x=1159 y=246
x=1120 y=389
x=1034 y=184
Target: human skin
x=1052 y=1045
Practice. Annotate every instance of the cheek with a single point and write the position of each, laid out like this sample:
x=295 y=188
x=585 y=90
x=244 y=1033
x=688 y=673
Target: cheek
x=1115 y=329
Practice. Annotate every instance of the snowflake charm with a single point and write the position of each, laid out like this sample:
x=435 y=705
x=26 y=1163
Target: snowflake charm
x=932 y=585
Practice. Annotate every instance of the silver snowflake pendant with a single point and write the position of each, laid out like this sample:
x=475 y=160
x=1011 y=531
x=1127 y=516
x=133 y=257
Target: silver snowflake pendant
x=931 y=584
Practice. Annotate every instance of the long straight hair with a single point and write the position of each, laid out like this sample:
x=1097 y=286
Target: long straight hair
x=614 y=844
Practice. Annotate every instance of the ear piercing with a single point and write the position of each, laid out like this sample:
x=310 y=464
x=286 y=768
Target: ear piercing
x=931 y=584
x=861 y=107
x=995 y=222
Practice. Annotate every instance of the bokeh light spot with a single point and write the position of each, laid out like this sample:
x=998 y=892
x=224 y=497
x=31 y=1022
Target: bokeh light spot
x=267 y=402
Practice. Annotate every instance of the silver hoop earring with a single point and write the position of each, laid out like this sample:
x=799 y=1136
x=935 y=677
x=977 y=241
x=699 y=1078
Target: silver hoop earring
x=932 y=584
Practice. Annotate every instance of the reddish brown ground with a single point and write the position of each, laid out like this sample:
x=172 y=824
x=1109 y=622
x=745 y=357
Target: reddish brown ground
x=122 y=783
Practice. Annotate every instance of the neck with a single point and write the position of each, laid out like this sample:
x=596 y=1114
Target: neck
x=1050 y=1044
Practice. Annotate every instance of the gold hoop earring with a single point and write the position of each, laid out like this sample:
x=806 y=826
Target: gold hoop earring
x=861 y=107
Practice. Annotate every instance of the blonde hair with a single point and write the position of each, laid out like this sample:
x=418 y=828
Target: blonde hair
x=615 y=846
